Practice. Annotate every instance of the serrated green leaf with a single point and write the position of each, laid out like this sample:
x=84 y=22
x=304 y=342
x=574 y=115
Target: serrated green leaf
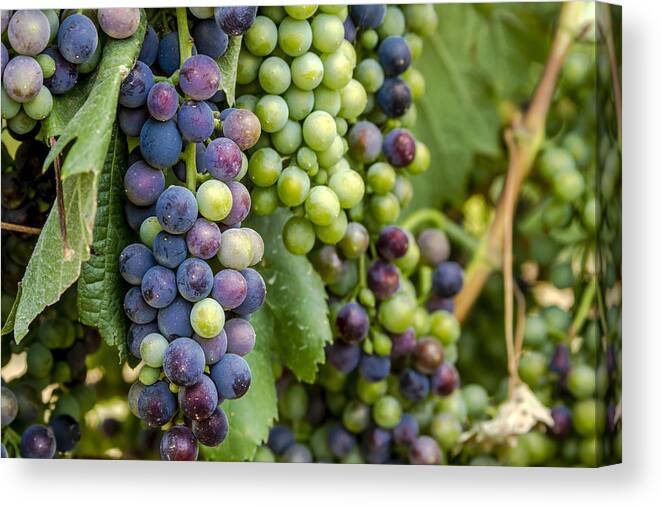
x=90 y=129
x=296 y=298
x=8 y=324
x=100 y=288
x=228 y=64
x=65 y=107
x=251 y=417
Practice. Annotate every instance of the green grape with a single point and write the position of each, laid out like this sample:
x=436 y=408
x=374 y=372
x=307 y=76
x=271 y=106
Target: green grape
x=589 y=215
x=408 y=263
x=300 y=11
x=47 y=65
x=371 y=392
x=338 y=69
x=532 y=368
x=235 y=250
x=248 y=102
x=370 y=74
x=582 y=381
x=568 y=185
x=272 y=112
x=264 y=167
x=152 y=349
x=535 y=333
x=444 y=326
x=410 y=117
x=327 y=33
x=293 y=186
x=62 y=373
x=562 y=275
x=262 y=37
x=382 y=343
x=294 y=36
x=588 y=451
x=353 y=99
x=396 y=314
x=149 y=375
x=588 y=417
x=340 y=166
x=307 y=71
x=369 y=39
x=332 y=233
x=446 y=430
x=244 y=168
x=454 y=404
x=273 y=12
x=39 y=361
x=288 y=139
x=300 y=102
x=298 y=235
x=331 y=379
x=264 y=455
x=381 y=178
x=421 y=160
x=57 y=333
x=403 y=191
x=421 y=322
x=264 y=201
x=349 y=52
x=274 y=75
x=214 y=200
x=341 y=126
x=207 y=317
x=306 y=159
x=421 y=18
x=21 y=123
x=67 y=404
x=415 y=43
x=295 y=401
x=319 y=130
x=247 y=68
x=149 y=228
x=387 y=412
x=416 y=82
x=476 y=398
x=385 y=208
x=554 y=161
x=356 y=416
x=393 y=23
x=327 y=100
x=10 y=107
x=333 y=154
x=322 y=205
x=577 y=146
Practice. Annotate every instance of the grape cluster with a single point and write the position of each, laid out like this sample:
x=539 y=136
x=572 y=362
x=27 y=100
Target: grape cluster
x=48 y=51
x=193 y=280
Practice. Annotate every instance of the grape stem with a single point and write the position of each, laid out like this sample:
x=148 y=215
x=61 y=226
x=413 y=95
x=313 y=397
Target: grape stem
x=185 y=40
x=191 y=169
x=8 y=226
x=440 y=220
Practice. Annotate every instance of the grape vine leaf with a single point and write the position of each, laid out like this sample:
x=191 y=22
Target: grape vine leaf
x=100 y=288
x=296 y=298
x=228 y=64
x=251 y=417
x=65 y=107
x=90 y=129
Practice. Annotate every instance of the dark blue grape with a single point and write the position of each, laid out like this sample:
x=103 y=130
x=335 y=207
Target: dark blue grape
x=156 y=404
x=235 y=20
x=184 y=362
x=199 y=77
x=176 y=210
x=195 y=121
x=213 y=430
x=367 y=16
x=394 y=55
x=214 y=348
x=365 y=141
x=240 y=336
x=241 y=126
x=134 y=261
x=136 y=86
x=135 y=215
x=162 y=101
x=377 y=445
x=223 y=159
x=393 y=243
x=131 y=120
x=174 y=319
x=240 y=204
x=143 y=184
x=232 y=376
x=203 y=239
x=160 y=143
x=65 y=76
x=399 y=147
x=194 y=279
x=169 y=249
x=413 y=385
x=218 y=97
x=136 y=334
x=349 y=29
x=562 y=421
x=435 y=302
x=256 y=293
x=136 y=309
x=198 y=401
x=159 y=287
x=352 y=322
x=209 y=39
x=229 y=288
x=38 y=441
x=403 y=343
x=340 y=441
x=394 y=97
x=424 y=451
x=149 y=49
x=373 y=367
x=67 y=432
x=560 y=363
x=383 y=279
x=406 y=430
x=168 y=53
x=343 y=356
x=77 y=39
x=280 y=439
x=445 y=379
x=448 y=279
x=178 y=444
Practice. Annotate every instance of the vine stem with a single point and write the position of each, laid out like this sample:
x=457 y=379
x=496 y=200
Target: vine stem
x=8 y=226
x=191 y=169
x=185 y=40
x=440 y=220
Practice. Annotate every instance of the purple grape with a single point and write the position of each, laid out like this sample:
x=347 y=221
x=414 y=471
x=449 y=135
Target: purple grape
x=241 y=126
x=394 y=55
x=240 y=204
x=343 y=356
x=5 y=16
x=176 y=210
x=65 y=76
x=235 y=20
x=168 y=53
x=67 y=432
x=403 y=343
x=136 y=309
x=131 y=120
x=340 y=441
x=159 y=287
x=560 y=362
x=136 y=334
x=28 y=32
x=280 y=439
x=162 y=101
x=240 y=336
x=367 y=16
x=393 y=243
x=77 y=39
x=195 y=121
x=229 y=288
x=156 y=404
x=232 y=376
x=406 y=430
x=160 y=143
x=143 y=184
x=209 y=39
x=135 y=215
x=178 y=444
x=435 y=302
x=365 y=142
x=394 y=97
x=22 y=78
x=149 y=49
x=136 y=86
x=448 y=279
x=38 y=442
x=352 y=323
x=199 y=77
x=434 y=247
x=169 y=249
x=562 y=421
x=399 y=147
x=374 y=368
x=4 y=58
x=194 y=279
x=119 y=23
x=377 y=445
x=214 y=348
x=383 y=279
x=427 y=355
x=444 y=380
x=256 y=293
x=198 y=402
x=174 y=319
x=424 y=451
x=203 y=239
x=134 y=261
x=223 y=159
x=213 y=430
x=413 y=385
x=184 y=362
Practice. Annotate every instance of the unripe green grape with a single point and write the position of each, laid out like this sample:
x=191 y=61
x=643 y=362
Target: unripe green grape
x=581 y=381
x=557 y=214
x=332 y=9
x=298 y=235
x=421 y=160
x=410 y=117
x=353 y=99
x=588 y=451
x=288 y=139
x=349 y=187
x=370 y=74
x=300 y=11
x=371 y=392
x=332 y=234
x=349 y=52
x=385 y=208
x=201 y=12
x=300 y=102
x=330 y=379
x=319 y=130
x=294 y=36
x=67 y=404
x=321 y=178
x=10 y=107
x=444 y=326
x=554 y=161
x=327 y=33
x=262 y=37
x=307 y=71
x=264 y=167
x=356 y=416
x=387 y=412
x=272 y=112
x=421 y=322
x=578 y=147
x=333 y=154
x=152 y=349
x=295 y=402
x=396 y=314
x=214 y=200
x=149 y=375
x=322 y=205
x=382 y=344
x=264 y=201
x=532 y=368
x=337 y=70
x=21 y=123
x=446 y=430
x=416 y=82
x=293 y=186
x=340 y=166
x=409 y=261
x=403 y=191
x=568 y=185
x=589 y=215
x=477 y=400
x=41 y=106
x=53 y=16
x=235 y=250
x=274 y=75
x=39 y=360
x=341 y=126
x=274 y=12
x=264 y=455
x=47 y=64
x=149 y=228
x=421 y=18
x=381 y=178
x=247 y=67
x=355 y=241
x=369 y=39
x=174 y=388
x=393 y=22
x=306 y=159
x=62 y=372
x=588 y=417
x=244 y=168
x=327 y=100
x=415 y=44
x=207 y=318
x=257 y=245
x=248 y=102
x=535 y=333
